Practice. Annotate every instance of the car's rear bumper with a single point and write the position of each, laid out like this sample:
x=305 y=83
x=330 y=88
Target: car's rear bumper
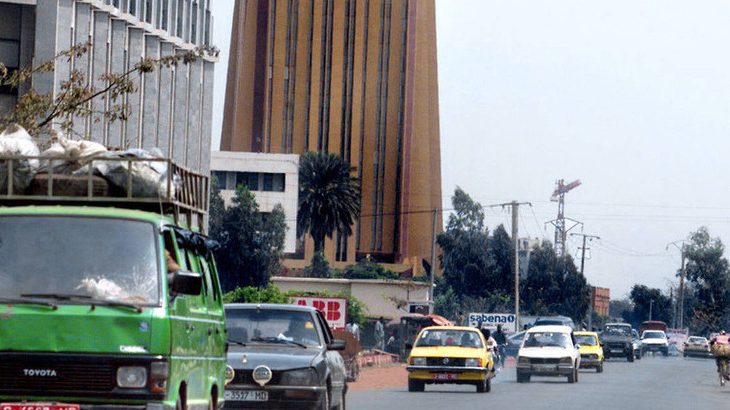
x=697 y=352
x=546 y=370
x=448 y=374
x=588 y=363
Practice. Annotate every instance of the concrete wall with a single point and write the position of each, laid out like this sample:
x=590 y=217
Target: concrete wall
x=287 y=164
x=172 y=108
x=388 y=299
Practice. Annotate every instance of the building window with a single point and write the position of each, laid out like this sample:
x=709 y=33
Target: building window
x=194 y=24
x=220 y=177
x=148 y=11
x=132 y=7
x=179 y=22
x=165 y=11
x=9 y=49
x=248 y=179
x=268 y=182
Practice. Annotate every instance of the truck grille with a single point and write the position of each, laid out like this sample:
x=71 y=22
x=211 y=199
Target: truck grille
x=616 y=345
x=83 y=375
x=49 y=374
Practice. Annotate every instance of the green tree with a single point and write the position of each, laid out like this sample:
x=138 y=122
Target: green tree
x=554 y=286
x=252 y=294
x=251 y=242
x=464 y=245
x=318 y=267
x=644 y=299
x=329 y=197
x=708 y=272
x=501 y=261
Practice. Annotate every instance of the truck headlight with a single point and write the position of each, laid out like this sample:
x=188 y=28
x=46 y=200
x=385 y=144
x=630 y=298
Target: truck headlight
x=473 y=362
x=132 y=377
x=418 y=361
x=566 y=360
x=301 y=377
x=523 y=360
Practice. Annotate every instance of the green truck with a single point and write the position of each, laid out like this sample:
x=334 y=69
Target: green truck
x=108 y=300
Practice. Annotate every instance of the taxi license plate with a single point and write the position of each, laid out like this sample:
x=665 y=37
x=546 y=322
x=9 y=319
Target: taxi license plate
x=244 y=395
x=545 y=367
x=444 y=376
x=38 y=406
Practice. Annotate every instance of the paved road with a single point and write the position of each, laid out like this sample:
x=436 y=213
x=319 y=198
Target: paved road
x=650 y=383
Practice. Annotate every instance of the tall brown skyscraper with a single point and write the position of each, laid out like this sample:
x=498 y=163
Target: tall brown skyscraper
x=353 y=77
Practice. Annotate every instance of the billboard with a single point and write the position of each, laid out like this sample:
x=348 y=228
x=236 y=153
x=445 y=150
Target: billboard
x=491 y=320
x=333 y=309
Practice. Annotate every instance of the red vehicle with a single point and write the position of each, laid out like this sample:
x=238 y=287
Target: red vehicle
x=652 y=325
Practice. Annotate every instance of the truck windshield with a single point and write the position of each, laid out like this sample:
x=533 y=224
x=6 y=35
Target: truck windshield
x=77 y=258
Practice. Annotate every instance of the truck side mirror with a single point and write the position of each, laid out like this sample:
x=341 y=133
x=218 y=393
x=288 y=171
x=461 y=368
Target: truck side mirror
x=187 y=283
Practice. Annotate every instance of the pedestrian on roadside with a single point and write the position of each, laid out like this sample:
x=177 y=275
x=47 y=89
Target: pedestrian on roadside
x=379 y=334
x=353 y=328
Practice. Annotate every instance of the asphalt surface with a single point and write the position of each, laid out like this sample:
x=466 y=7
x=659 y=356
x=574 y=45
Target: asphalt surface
x=650 y=383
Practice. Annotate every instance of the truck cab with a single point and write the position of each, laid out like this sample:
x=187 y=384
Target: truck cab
x=106 y=302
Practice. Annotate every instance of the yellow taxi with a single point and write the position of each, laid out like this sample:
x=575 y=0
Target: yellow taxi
x=591 y=351
x=450 y=355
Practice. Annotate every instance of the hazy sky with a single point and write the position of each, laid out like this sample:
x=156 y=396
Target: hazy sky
x=632 y=97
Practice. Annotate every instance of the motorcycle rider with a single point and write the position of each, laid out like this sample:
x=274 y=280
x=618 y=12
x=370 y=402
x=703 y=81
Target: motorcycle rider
x=491 y=345
x=501 y=340
x=722 y=339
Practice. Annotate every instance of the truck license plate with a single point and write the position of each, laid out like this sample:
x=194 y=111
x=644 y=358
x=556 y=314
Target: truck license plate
x=617 y=351
x=38 y=406
x=444 y=376
x=545 y=367
x=245 y=395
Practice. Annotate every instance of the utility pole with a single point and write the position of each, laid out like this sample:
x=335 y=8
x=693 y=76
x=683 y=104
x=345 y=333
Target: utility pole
x=433 y=259
x=515 y=207
x=582 y=267
x=651 y=306
x=682 y=274
x=561 y=229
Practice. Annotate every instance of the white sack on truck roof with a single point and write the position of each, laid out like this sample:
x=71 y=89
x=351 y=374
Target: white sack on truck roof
x=15 y=140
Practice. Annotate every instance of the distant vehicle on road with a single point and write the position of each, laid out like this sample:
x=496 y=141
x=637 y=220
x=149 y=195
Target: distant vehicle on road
x=618 y=341
x=654 y=341
x=450 y=355
x=548 y=351
x=697 y=346
x=653 y=325
x=282 y=356
x=591 y=350
x=555 y=321
x=513 y=344
x=637 y=344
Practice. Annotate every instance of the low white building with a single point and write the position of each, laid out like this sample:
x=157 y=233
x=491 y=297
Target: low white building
x=387 y=298
x=273 y=178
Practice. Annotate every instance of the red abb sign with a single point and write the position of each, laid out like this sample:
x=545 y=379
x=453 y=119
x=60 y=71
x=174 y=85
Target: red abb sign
x=333 y=309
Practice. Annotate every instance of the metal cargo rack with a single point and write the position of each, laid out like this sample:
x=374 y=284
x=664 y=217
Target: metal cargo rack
x=185 y=196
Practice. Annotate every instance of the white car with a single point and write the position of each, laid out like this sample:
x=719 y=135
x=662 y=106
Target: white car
x=548 y=351
x=654 y=341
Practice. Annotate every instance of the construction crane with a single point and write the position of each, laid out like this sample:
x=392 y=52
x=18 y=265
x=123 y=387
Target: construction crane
x=561 y=229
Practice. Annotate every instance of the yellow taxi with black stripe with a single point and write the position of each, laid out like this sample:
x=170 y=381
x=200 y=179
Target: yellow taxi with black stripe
x=450 y=355
x=591 y=350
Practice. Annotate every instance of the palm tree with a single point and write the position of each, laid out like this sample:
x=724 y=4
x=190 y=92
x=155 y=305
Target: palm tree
x=329 y=197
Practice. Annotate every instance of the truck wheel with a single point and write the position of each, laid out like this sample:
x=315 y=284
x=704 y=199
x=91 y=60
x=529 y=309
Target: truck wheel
x=523 y=377
x=415 y=385
x=573 y=377
x=630 y=357
x=599 y=368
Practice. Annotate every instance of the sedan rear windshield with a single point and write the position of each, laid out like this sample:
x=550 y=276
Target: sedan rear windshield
x=548 y=339
x=449 y=337
x=88 y=258
x=654 y=335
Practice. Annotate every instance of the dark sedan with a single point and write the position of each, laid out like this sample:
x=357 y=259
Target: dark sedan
x=282 y=356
